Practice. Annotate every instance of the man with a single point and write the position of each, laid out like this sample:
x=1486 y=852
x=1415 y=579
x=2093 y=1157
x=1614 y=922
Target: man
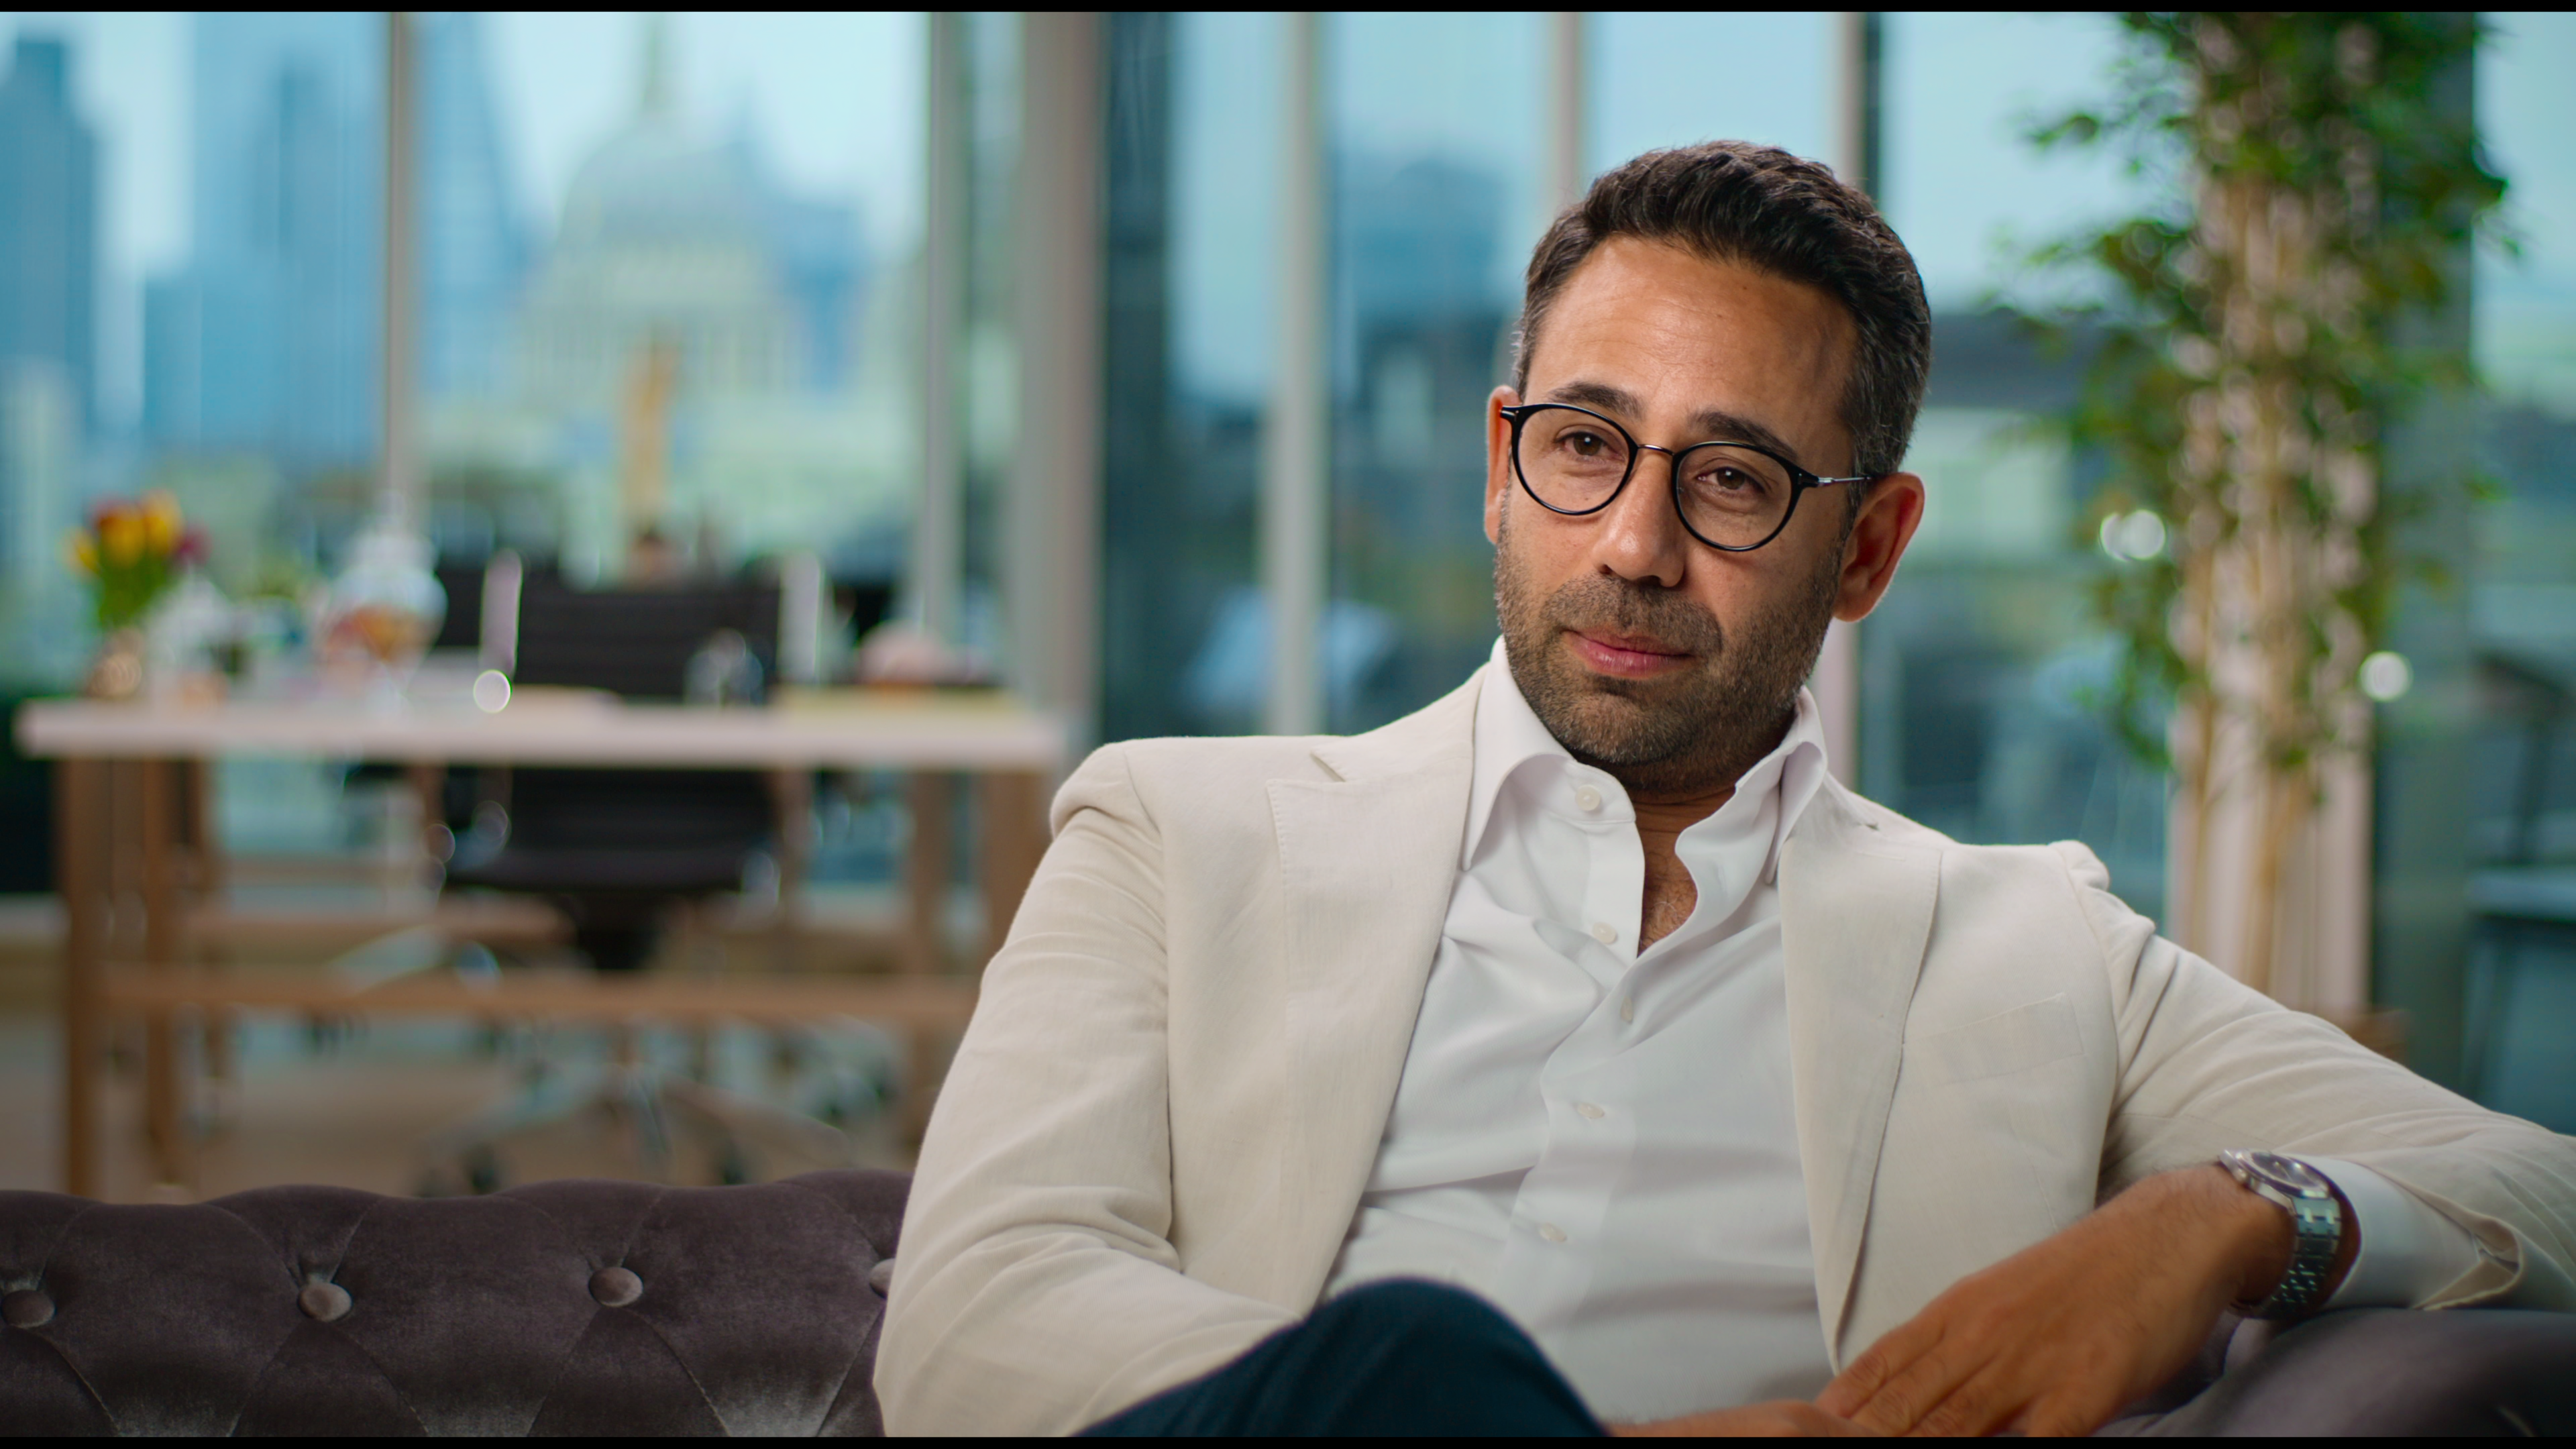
x=1704 y=1094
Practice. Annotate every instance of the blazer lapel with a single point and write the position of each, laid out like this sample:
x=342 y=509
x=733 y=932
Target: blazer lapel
x=1855 y=918
x=1366 y=865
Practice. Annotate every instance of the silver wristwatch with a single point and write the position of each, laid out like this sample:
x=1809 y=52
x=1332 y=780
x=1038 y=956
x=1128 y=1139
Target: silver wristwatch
x=2316 y=1217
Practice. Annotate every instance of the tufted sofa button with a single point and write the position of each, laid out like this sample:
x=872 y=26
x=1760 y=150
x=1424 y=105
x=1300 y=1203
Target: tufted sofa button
x=616 y=1287
x=881 y=1277
x=26 y=1308
x=323 y=1302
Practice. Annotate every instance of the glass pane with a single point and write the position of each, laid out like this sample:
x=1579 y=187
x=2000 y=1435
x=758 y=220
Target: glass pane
x=73 y=250
x=1436 y=159
x=990 y=384
x=663 y=287
x=1668 y=78
x=1978 y=672
x=2523 y=602
x=1193 y=181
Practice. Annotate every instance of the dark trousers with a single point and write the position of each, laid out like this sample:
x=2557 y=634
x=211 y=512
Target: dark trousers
x=1419 y=1358
x=1389 y=1358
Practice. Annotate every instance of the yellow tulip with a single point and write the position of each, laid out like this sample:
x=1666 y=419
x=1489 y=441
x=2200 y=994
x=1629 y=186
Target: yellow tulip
x=161 y=521
x=120 y=536
x=80 y=552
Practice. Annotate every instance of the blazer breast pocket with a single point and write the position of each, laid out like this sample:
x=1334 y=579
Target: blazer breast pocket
x=2009 y=1041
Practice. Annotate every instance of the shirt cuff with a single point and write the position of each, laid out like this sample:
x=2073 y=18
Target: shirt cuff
x=2408 y=1252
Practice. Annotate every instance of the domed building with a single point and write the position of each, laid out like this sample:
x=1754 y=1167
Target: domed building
x=662 y=248
x=692 y=358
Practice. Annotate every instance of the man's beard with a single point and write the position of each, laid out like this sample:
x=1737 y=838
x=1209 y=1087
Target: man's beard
x=1663 y=737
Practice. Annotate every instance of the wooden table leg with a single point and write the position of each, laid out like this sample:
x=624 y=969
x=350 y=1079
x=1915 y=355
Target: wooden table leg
x=1014 y=829
x=165 y=1076
x=80 y=874
x=925 y=874
x=932 y=797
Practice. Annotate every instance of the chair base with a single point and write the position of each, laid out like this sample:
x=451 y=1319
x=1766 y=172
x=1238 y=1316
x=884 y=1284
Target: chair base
x=655 y=1106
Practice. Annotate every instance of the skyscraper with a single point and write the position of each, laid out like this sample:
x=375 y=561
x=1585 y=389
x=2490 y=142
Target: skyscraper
x=48 y=221
x=267 y=340
x=473 y=248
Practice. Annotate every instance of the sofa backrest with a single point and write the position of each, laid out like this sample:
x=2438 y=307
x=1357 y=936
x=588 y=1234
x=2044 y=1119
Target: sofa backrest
x=575 y=1307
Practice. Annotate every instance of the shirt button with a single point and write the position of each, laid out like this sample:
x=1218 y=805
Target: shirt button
x=1627 y=1008
x=1604 y=932
x=1551 y=1232
x=1588 y=1110
x=1588 y=798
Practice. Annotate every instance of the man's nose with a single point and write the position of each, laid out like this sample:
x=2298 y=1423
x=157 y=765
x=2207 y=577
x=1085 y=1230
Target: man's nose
x=1641 y=537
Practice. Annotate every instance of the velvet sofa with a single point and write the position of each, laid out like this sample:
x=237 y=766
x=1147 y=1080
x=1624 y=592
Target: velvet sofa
x=622 y=1308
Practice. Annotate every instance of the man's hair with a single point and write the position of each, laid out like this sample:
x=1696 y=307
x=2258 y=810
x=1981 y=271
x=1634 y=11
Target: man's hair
x=1758 y=206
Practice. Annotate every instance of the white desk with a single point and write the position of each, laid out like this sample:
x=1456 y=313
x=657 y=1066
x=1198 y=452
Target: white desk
x=839 y=729
x=131 y=828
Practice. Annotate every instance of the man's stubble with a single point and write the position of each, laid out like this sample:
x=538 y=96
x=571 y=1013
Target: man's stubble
x=1661 y=739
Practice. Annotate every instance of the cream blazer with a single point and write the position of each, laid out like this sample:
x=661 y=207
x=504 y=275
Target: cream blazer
x=1155 y=1133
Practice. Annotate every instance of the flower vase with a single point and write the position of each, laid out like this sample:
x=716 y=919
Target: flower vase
x=116 y=671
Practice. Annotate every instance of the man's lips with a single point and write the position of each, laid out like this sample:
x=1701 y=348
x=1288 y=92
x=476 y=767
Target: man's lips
x=1627 y=656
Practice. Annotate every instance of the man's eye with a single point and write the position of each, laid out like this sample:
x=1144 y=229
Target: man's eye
x=1725 y=479
x=1587 y=444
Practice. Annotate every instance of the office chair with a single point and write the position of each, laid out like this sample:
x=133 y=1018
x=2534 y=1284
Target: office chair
x=622 y=852
x=615 y=848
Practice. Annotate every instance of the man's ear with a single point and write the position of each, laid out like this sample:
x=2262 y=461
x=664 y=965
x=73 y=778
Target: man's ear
x=1888 y=518
x=1498 y=460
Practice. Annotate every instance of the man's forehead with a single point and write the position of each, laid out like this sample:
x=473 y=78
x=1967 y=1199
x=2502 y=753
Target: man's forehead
x=1687 y=290
x=1758 y=356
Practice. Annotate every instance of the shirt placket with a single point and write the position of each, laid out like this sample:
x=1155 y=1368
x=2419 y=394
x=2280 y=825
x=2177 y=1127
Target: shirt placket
x=1587 y=1088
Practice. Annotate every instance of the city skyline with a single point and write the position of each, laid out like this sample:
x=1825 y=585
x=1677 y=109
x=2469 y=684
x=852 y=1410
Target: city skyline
x=836 y=97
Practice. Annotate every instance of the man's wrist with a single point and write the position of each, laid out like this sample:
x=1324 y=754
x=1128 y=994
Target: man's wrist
x=2258 y=1236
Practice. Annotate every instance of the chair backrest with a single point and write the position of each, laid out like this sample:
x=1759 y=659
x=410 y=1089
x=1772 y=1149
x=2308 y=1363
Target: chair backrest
x=635 y=642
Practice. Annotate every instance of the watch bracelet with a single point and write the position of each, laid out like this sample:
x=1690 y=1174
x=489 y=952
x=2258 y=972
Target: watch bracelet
x=2312 y=1255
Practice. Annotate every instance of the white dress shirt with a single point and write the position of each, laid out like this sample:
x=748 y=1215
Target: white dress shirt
x=1601 y=1141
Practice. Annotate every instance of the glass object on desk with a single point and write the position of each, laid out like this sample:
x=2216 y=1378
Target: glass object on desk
x=383 y=610
x=724 y=671
x=190 y=633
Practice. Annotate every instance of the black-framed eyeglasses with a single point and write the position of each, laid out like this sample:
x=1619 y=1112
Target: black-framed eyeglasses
x=1731 y=496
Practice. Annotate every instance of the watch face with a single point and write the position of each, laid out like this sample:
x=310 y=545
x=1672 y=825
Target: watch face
x=2288 y=1172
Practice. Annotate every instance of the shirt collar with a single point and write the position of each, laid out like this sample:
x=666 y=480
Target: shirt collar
x=1510 y=735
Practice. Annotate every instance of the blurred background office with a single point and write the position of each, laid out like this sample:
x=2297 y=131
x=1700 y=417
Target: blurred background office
x=1136 y=360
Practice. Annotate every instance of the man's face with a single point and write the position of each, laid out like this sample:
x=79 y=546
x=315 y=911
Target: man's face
x=1669 y=663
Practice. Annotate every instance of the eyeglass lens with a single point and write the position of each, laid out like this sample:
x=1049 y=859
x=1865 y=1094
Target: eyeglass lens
x=1731 y=496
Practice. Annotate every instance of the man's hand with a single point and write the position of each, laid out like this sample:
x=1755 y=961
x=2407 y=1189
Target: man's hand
x=1784 y=1419
x=2054 y=1339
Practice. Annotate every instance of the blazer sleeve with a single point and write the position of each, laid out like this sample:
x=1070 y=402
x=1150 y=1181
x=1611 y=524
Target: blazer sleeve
x=1037 y=1291
x=2208 y=1063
